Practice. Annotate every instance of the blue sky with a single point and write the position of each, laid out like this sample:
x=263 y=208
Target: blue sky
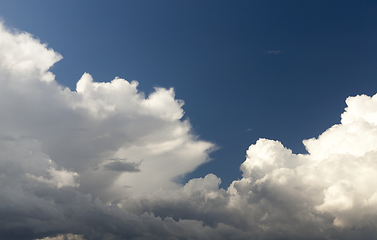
x=215 y=55
x=246 y=70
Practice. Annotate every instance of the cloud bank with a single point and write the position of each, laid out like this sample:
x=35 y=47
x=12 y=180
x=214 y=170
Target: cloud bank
x=98 y=163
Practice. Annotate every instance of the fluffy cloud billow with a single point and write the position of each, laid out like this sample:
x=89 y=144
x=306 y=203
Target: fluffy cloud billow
x=85 y=129
x=98 y=163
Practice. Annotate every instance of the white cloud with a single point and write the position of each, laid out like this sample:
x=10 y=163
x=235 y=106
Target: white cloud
x=59 y=179
x=99 y=121
x=97 y=163
x=64 y=237
x=329 y=193
x=55 y=138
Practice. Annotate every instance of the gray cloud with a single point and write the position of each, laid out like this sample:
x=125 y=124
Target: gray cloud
x=122 y=166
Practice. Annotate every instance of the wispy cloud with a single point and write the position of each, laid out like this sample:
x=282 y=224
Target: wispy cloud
x=273 y=52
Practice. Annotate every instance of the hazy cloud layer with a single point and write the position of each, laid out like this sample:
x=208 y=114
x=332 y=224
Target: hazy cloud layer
x=97 y=163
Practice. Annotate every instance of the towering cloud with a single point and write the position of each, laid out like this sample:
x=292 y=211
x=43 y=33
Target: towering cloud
x=98 y=163
x=111 y=135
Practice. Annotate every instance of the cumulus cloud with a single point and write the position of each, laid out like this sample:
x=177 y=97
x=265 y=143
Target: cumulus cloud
x=82 y=129
x=54 y=137
x=328 y=193
x=98 y=163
